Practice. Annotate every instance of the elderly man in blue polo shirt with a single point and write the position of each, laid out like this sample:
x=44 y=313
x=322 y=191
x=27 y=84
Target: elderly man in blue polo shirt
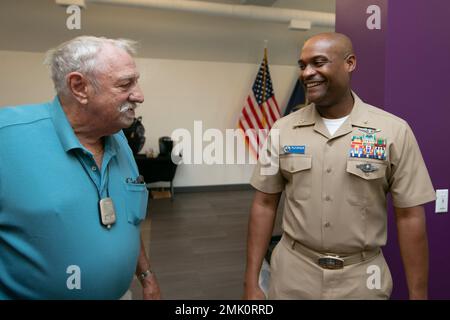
x=71 y=198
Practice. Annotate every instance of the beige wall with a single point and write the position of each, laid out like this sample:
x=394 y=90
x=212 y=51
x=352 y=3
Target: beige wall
x=177 y=92
x=24 y=78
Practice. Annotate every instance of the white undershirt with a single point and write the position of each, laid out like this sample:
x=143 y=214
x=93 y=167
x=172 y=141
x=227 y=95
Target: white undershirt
x=334 y=124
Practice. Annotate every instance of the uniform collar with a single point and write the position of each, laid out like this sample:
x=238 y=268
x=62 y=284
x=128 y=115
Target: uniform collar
x=66 y=135
x=358 y=117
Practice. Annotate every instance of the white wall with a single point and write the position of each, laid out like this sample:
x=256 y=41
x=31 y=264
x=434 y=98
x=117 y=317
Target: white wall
x=177 y=93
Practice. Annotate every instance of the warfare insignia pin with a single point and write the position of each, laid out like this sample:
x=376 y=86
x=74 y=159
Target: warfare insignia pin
x=367 y=167
x=369 y=130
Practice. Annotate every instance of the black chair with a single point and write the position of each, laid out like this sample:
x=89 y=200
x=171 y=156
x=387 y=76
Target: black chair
x=165 y=146
x=161 y=168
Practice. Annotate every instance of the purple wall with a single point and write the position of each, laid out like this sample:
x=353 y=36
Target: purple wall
x=416 y=87
x=369 y=47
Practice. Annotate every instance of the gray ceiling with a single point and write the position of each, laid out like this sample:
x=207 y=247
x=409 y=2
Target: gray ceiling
x=37 y=25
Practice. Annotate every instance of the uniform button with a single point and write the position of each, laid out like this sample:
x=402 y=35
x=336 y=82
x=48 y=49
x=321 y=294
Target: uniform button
x=94 y=168
x=327 y=225
x=327 y=198
x=328 y=170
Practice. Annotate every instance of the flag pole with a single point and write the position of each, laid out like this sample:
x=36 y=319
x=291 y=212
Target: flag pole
x=264 y=80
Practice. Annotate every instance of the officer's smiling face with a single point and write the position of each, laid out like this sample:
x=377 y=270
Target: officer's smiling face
x=325 y=70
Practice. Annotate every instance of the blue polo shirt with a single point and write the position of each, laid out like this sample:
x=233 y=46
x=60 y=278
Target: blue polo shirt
x=52 y=243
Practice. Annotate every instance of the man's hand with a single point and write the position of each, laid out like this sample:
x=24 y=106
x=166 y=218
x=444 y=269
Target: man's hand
x=254 y=293
x=150 y=288
x=260 y=226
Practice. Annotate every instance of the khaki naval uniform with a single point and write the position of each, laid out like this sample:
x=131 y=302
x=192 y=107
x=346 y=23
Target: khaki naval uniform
x=336 y=200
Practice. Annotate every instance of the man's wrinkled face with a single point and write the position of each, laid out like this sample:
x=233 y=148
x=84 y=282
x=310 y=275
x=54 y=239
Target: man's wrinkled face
x=118 y=93
x=323 y=72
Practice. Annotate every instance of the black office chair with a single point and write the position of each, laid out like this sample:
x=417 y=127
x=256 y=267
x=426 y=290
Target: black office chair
x=161 y=168
x=165 y=146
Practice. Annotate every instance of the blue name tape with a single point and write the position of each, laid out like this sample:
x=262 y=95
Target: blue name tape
x=294 y=149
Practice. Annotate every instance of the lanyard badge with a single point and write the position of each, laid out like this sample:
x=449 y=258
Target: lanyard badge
x=107 y=212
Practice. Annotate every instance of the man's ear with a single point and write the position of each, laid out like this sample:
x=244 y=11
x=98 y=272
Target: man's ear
x=350 y=62
x=78 y=86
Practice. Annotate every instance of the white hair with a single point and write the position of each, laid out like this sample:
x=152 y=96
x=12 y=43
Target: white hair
x=81 y=54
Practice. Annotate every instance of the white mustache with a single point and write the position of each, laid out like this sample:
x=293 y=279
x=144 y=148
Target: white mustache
x=127 y=106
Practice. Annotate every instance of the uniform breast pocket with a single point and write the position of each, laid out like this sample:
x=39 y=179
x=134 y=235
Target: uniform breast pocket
x=366 y=178
x=136 y=202
x=296 y=169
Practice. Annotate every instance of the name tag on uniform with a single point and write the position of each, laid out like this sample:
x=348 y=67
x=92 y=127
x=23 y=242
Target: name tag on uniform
x=294 y=149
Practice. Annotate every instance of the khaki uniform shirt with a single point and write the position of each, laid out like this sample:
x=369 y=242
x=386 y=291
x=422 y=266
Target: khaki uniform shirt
x=336 y=186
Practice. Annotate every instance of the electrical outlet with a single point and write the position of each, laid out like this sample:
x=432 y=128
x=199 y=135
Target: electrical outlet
x=441 y=200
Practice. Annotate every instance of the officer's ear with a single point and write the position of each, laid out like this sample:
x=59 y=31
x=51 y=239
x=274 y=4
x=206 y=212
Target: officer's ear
x=78 y=86
x=350 y=62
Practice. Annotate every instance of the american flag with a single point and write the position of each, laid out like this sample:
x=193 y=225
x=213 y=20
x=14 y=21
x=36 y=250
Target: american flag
x=260 y=109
